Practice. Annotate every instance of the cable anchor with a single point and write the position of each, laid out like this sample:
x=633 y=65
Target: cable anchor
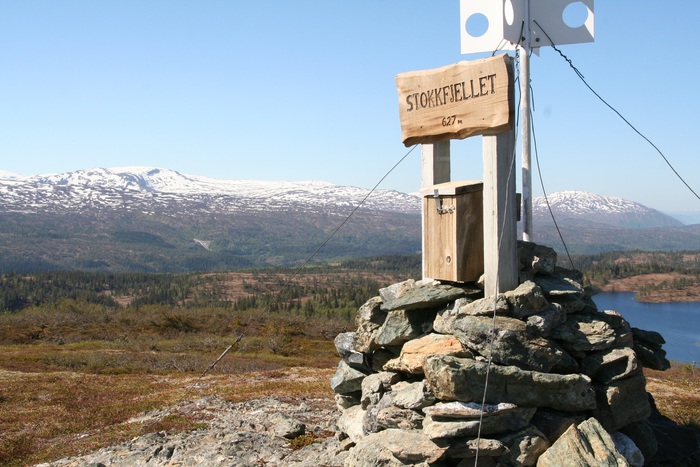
x=440 y=208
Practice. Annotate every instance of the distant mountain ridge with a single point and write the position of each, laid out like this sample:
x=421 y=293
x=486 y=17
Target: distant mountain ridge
x=580 y=207
x=155 y=219
x=591 y=223
x=103 y=188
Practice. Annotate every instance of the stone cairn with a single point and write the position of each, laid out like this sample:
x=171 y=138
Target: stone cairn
x=565 y=383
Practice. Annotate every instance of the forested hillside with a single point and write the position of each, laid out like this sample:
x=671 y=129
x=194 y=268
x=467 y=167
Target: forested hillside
x=654 y=276
x=328 y=289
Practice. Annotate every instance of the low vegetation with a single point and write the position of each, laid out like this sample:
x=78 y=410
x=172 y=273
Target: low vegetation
x=656 y=276
x=83 y=355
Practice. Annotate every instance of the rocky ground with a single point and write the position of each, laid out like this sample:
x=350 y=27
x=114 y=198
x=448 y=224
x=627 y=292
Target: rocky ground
x=262 y=432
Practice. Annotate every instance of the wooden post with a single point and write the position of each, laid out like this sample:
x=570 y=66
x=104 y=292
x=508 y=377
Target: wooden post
x=500 y=210
x=525 y=131
x=435 y=168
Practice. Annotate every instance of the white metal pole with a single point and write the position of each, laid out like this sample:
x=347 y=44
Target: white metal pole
x=525 y=126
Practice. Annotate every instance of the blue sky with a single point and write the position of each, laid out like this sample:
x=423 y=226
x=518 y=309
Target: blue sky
x=282 y=90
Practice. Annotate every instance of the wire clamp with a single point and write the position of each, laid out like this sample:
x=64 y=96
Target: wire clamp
x=440 y=208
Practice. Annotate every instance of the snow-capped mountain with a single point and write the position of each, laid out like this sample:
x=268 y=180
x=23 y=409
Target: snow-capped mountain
x=154 y=219
x=588 y=209
x=150 y=190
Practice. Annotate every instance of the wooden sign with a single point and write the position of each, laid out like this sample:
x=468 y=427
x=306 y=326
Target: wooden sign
x=456 y=101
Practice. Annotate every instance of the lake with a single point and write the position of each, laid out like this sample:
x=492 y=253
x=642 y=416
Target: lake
x=678 y=323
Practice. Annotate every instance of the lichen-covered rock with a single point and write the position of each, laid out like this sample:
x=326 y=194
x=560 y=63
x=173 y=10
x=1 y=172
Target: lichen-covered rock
x=486 y=307
x=411 y=295
x=345 y=401
x=394 y=448
x=467 y=409
x=623 y=331
x=445 y=317
x=381 y=356
x=350 y=423
x=621 y=402
x=647 y=345
x=375 y=385
x=370 y=423
x=642 y=433
x=507 y=341
x=570 y=303
x=553 y=423
x=527 y=299
x=523 y=447
x=541 y=324
x=560 y=285
x=584 y=333
x=414 y=396
x=463 y=379
x=285 y=426
x=553 y=361
x=346 y=379
x=396 y=417
x=611 y=365
x=401 y=325
x=654 y=359
x=345 y=346
x=369 y=319
x=628 y=449
x=584 y=445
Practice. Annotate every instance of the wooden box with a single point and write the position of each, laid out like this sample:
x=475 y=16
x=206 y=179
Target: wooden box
x=453 y=231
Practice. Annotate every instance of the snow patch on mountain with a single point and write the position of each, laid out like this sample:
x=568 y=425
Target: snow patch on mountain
x=589 y=208
x=147 y=188
x=582 y=203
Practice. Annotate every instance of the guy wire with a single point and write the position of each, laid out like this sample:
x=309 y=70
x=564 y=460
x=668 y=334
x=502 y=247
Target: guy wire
x=296 y=272
x=581 y=77
x=544 y=191
x=275 y=297
x=511 y=166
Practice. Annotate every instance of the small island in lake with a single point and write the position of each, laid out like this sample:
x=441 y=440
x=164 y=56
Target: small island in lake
x=655 y=276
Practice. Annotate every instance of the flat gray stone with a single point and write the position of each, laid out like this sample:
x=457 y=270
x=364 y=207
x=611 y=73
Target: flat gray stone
x=584 y=333
x=472 y=410
x=553 y=286
x=507 y=341
x=503 y=422
x=394 y=448
x=462 y=379
x=414 y=396
x=346 y=379
x=403 y=325
x=486 y=307
x=420 y=295
x=466 y=448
